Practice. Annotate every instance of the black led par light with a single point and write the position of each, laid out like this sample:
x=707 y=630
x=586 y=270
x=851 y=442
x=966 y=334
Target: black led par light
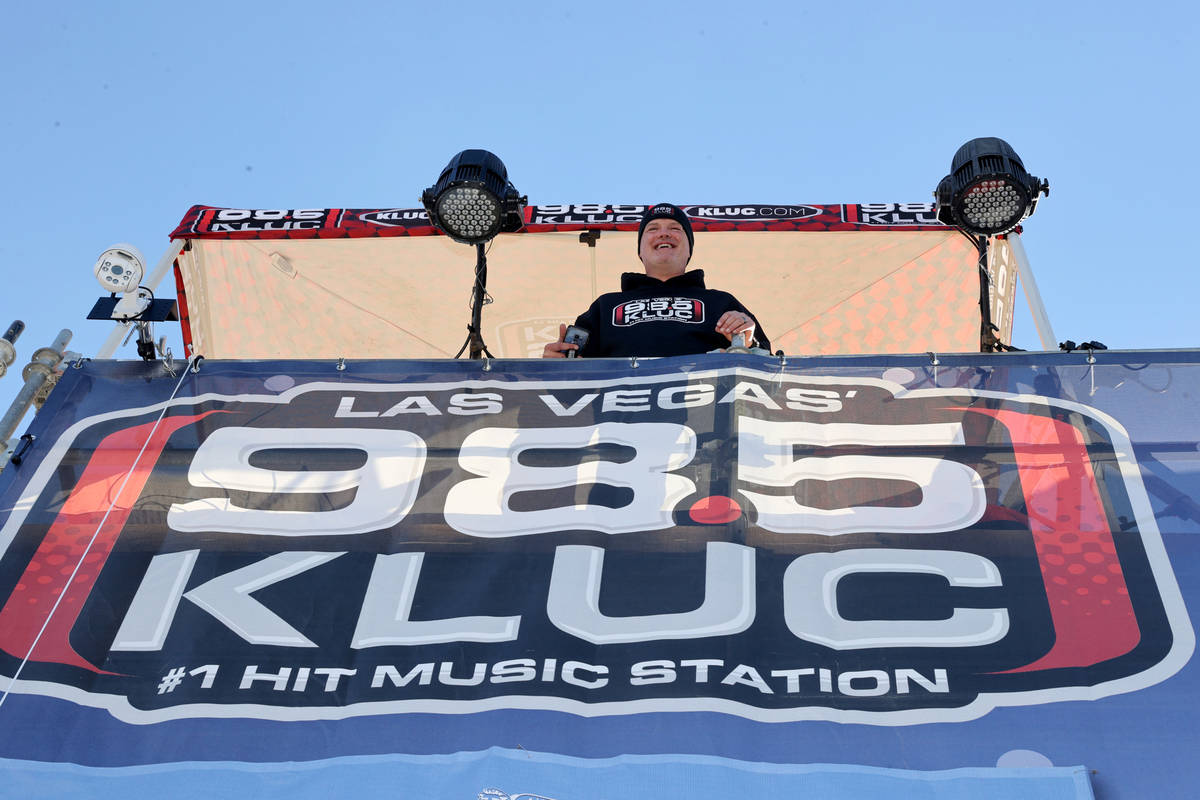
x=988 y=191
x=473 y=200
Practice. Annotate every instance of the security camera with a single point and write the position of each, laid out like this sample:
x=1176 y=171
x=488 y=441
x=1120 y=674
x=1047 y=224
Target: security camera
x=120 y=268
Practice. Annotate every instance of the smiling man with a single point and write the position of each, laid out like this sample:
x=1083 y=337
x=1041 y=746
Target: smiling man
x=667 y=311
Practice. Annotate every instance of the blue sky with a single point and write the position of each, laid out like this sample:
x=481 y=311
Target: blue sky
x=120 y=117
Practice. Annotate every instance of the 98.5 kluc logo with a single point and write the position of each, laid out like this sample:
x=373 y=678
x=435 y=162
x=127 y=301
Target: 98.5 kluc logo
x=775 y=546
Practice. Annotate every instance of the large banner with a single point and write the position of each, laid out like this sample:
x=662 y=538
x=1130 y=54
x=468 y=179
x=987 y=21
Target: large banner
x=270 y=284
x=763 y=568
x=208 y=222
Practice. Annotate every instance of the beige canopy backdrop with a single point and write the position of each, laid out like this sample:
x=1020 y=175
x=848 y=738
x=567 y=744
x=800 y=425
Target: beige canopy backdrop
x=862 y=290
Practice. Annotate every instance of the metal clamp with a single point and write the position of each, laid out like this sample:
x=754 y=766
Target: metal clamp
x=22 y=448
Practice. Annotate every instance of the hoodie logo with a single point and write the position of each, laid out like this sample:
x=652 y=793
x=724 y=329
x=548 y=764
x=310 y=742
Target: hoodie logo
x=661 y=309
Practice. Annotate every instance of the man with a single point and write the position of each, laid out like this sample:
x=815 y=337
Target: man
x=666 y=311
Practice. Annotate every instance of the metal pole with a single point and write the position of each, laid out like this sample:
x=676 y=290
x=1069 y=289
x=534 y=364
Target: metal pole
x=37 y=372
x=479 y=299
x=478 y=348
x=987 y=336
x=8 y=353
x=1032 y=296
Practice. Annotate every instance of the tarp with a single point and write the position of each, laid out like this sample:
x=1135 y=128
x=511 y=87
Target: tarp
x=376 y=283
x=573 y=579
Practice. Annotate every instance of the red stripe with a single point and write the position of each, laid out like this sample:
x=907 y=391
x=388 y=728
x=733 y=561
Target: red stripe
x=185 y=320
x=1089 y=601
x=46 y=576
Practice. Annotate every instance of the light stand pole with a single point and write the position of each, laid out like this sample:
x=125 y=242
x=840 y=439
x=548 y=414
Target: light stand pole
x=988 y=341
x=479 y=298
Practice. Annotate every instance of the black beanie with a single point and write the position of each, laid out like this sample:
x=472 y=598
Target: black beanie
x=661 y=210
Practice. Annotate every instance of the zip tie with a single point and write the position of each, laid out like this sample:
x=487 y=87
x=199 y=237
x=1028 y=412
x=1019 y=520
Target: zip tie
x=778 y=379
x=1091 y=360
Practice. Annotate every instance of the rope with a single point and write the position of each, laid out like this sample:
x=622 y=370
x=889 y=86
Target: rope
x=116 y=495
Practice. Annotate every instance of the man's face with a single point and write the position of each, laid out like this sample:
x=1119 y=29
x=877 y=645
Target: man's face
x=664 y=251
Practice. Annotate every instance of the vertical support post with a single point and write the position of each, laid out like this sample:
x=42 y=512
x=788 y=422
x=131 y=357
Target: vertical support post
x=479 y=292
x=988 y=343
x=479 y=298
x=8 y=353
x=37 y=372
x=1033 y=297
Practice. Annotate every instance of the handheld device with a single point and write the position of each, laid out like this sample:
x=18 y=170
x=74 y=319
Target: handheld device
x=576 y=336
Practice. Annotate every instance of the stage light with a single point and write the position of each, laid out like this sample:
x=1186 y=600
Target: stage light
x=473 y=199
x=988 y=192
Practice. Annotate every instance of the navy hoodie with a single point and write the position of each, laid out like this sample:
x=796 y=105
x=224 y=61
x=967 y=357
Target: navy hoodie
x=649 y=317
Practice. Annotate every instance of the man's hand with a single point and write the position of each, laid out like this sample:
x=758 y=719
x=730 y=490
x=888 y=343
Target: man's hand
x=559 y=349
x=732 y=323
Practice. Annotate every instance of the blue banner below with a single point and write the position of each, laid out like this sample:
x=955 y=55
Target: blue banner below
x=869 y=576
